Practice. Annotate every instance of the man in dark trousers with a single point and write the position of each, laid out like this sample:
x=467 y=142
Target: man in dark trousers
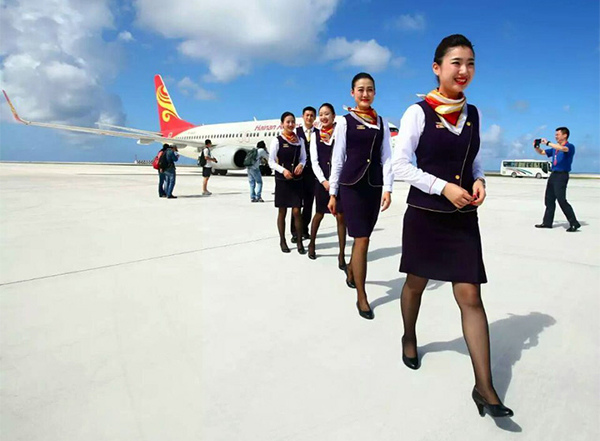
x=170 y=174
x=306 y=131
x=161 y=176
x=562 y=153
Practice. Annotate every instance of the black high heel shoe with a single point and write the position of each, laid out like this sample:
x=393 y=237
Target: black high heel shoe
x=343 y=266
x=365 y=314
x=301 y=250
x=349 y=282
x=495 y=410
x=410 y=362
x=312 y=254
x=284 y=247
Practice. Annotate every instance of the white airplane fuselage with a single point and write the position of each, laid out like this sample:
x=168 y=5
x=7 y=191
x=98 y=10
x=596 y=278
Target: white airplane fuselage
x=231 y=138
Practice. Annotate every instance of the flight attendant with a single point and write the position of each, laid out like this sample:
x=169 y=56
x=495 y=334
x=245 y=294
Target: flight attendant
x=287 y=157
x=305 y=132
x=321 y=150
x=440 y=238
x=361 y=175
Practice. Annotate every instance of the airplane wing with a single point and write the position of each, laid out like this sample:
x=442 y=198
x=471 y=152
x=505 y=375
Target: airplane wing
x=142 y=137
x=127 y=129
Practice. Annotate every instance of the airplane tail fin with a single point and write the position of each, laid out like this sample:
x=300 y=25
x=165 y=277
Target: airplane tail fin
x=170 y=122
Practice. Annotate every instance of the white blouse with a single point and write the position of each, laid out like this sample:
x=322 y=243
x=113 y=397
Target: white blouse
x=275 y=149
x=411 y=128
x=339 y=155
x=314 y=155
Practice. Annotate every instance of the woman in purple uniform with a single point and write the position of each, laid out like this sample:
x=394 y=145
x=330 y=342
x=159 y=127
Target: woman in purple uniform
x=440 y=237
x=287 y=157
x=361 y=175
x=321 y=151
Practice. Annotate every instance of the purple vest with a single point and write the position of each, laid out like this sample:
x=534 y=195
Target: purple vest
x=363 y=153
x=324 y=152
x=308 y=166
x=447 y=156
x=288 y=156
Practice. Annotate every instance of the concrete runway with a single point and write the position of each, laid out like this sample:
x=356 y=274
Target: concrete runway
x=128 y=317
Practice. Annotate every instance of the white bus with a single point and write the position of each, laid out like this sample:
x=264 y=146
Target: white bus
x=528 y=168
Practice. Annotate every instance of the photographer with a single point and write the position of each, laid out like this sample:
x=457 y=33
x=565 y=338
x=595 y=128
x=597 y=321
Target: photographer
x=562 y=153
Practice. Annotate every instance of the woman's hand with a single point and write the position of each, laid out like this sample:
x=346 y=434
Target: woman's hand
x=457 y=195
x=325 y=185
x=478 y=193
x=332 y=205
x=287 y=174
x=386 y=200
x=298 y=169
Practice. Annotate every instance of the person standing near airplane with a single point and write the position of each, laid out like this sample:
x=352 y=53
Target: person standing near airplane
x=361 y=169
x=169 y=172
x=287 y=157
x=440 y=236
x=207 y=168
x=254 y=177
x=161 y=175
x=321 y=152
x=306 y=132
x=562 y=153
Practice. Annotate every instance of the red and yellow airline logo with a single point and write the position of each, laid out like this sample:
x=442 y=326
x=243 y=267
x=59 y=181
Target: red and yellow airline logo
x=164 y=101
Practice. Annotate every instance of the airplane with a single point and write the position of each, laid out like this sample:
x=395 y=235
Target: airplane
x=231 y=141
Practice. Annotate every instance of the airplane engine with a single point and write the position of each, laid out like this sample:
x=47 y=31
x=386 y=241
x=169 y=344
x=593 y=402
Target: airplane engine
x=229 y=157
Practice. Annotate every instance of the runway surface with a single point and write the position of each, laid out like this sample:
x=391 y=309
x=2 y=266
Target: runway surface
x=128 y=317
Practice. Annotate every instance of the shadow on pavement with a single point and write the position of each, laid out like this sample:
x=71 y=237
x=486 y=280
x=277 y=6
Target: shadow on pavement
x=509 y=337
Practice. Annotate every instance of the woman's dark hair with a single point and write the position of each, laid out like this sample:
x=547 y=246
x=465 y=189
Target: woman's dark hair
x=284 y=115
x=455 y=40
x=328 y=105
x=360 y=76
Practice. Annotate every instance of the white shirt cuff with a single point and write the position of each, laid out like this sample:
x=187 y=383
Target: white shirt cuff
x=438 y=186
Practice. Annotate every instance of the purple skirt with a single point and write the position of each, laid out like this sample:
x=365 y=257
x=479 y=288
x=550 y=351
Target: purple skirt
x=322 y=199
x=442 y=246
x=362 y=203
x=288 y=193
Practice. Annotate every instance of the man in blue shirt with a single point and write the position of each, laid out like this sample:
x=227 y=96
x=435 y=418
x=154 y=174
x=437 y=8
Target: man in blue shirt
x=562 y=153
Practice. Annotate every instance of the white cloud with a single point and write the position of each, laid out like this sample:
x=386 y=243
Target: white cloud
x=409 y=22
x=55 y=60
x=493 y=135
x=521 y=106
x=125 y=36
x=367 y=55
x=188 y=87
x=232 y=35
x=495 y=147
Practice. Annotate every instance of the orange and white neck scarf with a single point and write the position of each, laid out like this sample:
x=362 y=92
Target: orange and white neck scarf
x=446 y=108
x=292 y=138
x=326 y=133
x=369 y=116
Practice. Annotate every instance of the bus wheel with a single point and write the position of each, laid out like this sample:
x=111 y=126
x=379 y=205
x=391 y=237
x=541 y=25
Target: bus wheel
x=538 y=176
x=513 y=175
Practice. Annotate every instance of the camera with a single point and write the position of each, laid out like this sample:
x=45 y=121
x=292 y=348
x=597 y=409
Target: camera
x=536 y=143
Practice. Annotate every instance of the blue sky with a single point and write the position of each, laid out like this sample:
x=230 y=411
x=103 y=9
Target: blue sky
x=78 y=62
